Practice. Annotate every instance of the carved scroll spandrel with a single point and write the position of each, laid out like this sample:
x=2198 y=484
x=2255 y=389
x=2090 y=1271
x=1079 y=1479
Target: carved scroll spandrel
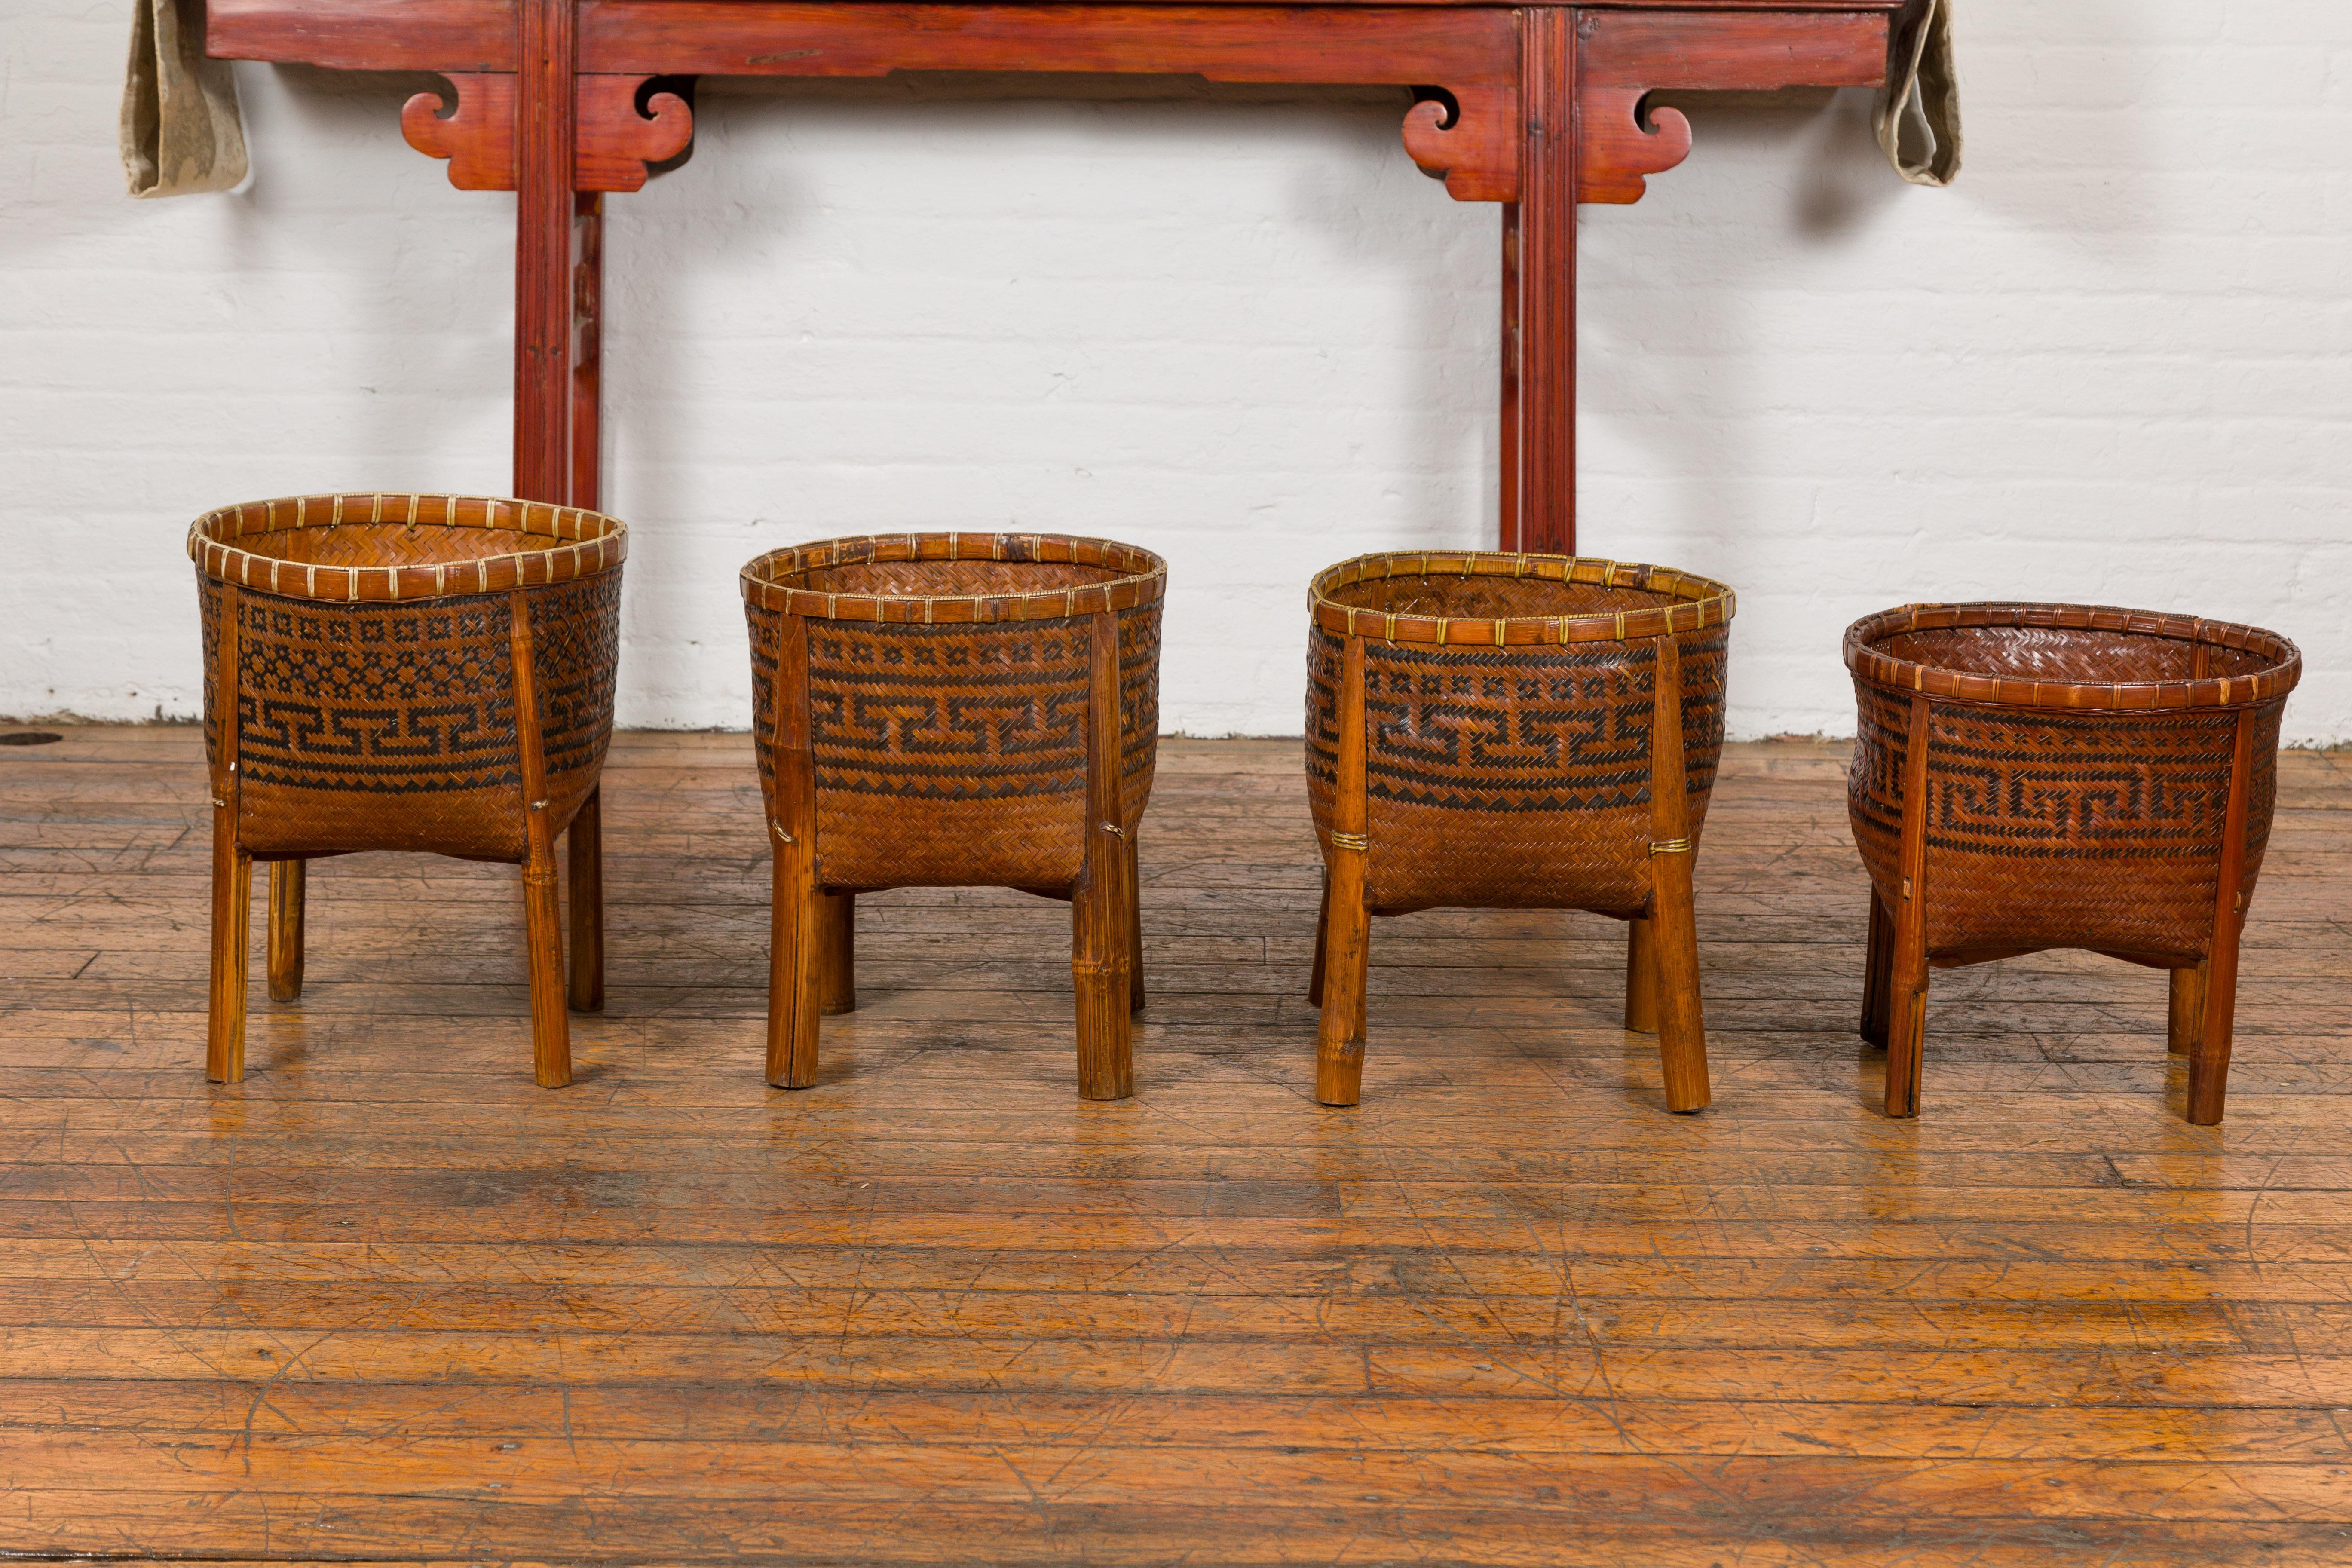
x=615 y=140
x=1470 y=139
x=1615 y=150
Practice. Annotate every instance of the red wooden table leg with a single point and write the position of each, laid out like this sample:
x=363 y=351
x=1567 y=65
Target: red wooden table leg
x=546 y=133
x=1539 y=315
x=587 y=351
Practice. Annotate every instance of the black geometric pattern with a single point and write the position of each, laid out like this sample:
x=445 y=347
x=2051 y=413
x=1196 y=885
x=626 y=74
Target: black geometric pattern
x=373 y=697
x=1514 y=730
x=2262 y=786
x=2100 y=786
x=949 y=712
x=575 y=656
x=1138 y=702
x=1874 y=780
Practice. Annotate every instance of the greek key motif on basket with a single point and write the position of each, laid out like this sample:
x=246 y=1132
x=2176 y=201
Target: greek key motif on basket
x=1138 y=689
x=2111 y=786
x=949 y=712
x=1507 y=732
x=391 y=697
x=1874 y=781
x=1517 y=731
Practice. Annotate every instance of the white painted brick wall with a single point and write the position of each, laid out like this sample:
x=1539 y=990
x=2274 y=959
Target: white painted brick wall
x=1238 y=327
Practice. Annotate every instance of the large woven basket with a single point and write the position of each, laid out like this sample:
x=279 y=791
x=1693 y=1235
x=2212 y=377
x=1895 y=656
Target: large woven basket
x=2032 y=776
x=1509 y=706
x=409 y=672
x=376 y=666
x=938 y=690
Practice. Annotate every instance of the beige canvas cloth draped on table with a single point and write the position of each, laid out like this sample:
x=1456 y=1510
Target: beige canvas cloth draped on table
x=1919 y=107
x=180 y=132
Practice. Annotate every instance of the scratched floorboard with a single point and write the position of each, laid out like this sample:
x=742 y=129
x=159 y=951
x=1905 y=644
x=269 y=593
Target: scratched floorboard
x=387 y=1301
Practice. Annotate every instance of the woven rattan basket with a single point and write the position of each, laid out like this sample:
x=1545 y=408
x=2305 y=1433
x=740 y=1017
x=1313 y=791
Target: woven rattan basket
x=954 y=710
x=2036 y=776
x=409 y=672
x=1484 y=730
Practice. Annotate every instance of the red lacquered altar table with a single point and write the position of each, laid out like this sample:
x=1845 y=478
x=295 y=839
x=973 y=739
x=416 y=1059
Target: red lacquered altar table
x=1536 y=107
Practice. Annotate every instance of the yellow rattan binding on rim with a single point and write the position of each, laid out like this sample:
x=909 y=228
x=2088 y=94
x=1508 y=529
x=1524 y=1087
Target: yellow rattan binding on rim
x=1863 y=657
x=1143 y=578
x=581 y=544
x=1699 y=601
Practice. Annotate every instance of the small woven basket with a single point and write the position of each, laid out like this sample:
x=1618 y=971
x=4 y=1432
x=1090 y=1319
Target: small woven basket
x=947 y=686
x=376 y=666
x=2083 y=777
x=1514 y=731
x=406 y=672
x=954 y=710
x=1507 y=712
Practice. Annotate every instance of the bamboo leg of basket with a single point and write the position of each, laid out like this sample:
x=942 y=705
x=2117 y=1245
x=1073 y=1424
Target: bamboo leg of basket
x=1322 y=935
x=1099 y=946
x=287 y=880
x=1642 y=975
x=837 y=918
x=1682 y=1025
x=1877 y=972
x=2185 y=1018
x=1347 y=940
x=551 y=1027
x=1134 y=886
x=2208 y=1059
x=1907 y=981
x=232 y=940
x=795 y=921
x=232 y=869
x=583 y=844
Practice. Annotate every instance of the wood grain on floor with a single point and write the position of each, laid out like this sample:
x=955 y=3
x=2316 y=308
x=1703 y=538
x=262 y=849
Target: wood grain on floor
x=387 y=1300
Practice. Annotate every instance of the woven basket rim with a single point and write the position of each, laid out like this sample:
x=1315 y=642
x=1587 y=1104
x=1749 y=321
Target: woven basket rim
x=597 y=543
x=1868 y=664
x=1701 y=601
x=1144 y=577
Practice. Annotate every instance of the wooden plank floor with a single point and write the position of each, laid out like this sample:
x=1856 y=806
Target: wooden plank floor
x=389 y=1302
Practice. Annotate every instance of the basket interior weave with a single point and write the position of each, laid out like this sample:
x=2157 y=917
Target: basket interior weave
x=392 y=544
x=1486 y=598
x=947 y=579
x=2067 y=654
